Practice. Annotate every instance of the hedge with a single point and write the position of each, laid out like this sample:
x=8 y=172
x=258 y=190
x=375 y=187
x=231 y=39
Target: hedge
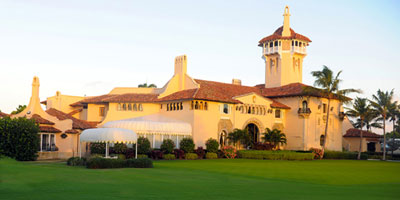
x=344 y=155
x=274 y=155
x=76 y=161
x=210 y=155
x=104 y=163
x=191 y=156
x=169 y=156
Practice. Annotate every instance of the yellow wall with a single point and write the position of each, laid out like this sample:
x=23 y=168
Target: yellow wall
x=62 y=102
x=353 y=144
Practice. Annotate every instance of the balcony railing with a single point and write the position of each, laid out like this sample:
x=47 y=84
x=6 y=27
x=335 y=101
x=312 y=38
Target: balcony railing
x=271 y=50
x=296 y=49
x=305 y=112
x=277 y=49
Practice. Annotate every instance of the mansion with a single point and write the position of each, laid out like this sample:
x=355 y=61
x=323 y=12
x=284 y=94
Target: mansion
x=204 y=109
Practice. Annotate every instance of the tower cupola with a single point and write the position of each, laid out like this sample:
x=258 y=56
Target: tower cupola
x=283 y=53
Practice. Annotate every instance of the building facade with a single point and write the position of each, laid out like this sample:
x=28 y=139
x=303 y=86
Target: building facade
x=213 y=109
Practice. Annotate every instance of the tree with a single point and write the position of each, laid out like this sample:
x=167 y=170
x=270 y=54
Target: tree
x=329 y=84
x=143 y=145
x=239 y=136
x=19 y=109
x=381 y=103
x=274 y=137
x=144 y=85
x=393 y=115
x=361 y=109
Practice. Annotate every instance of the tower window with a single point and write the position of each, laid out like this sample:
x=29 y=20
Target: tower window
x=226 y=109
x=276 y=43
x=278 y=113
x=271 y=44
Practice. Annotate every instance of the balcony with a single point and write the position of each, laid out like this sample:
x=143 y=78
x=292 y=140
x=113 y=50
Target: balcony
x=272 y=50
x=301 y=50
x=304 y=112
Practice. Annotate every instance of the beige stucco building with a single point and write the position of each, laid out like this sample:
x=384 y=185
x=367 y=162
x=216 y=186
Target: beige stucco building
x=213 y=109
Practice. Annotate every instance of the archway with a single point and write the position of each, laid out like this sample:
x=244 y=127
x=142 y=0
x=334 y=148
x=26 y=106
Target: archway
x=254 y=132
x=222 y=139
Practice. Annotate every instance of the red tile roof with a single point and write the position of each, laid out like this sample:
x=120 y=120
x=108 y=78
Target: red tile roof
x=75 y=111
x=3 y=114
x=278 y=35
x=48 y=129
x=353 y=132
x=41 y=120
x=72 y=131
x=95 y=99
x=276 y=104
x=76 y=123
x=181 y=95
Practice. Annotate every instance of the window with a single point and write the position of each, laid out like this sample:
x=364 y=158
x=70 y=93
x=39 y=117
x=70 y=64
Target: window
x=278 y=113
x=305 y=105
x=271 y=44
x=167 y=107
x=196 y=105
x=134 y=107
x=181 y=107
x=129 y=106
x=124 y=106
x=48 y=142
x=226 y=109
x=102 y=111
x=140 y=107
x=322 y=140
x=192 y=105
x=119 y=106
x=276 y=43
x=324 y=108
x=222 y=138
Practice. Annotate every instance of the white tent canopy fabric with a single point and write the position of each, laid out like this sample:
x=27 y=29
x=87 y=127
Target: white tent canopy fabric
x=110 y=135
x=153 y=124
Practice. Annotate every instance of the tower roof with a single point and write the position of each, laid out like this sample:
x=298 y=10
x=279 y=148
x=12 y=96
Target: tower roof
x=278 y=35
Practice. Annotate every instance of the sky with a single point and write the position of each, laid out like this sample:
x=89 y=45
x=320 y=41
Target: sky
x=89 y=47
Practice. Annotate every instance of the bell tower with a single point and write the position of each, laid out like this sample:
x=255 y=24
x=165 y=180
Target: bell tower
x=283 y=53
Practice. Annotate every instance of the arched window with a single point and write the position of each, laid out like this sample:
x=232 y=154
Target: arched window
x=226 y=109
x=174 y=106
x=305 y=105
x=264 y=111
x=322 y=140
x=196 y=105
x=129 y=106
x=170 y=106
x=205 y=106
x=248 y=110
x=119 y=106
x=134 y=107
x=192 y=105
x=167 y=107
x=140 y=107
x=253 y=110
x=181 y=107
x=124 y=106
x=257 y=111
x=276 y=43
x=222 y=138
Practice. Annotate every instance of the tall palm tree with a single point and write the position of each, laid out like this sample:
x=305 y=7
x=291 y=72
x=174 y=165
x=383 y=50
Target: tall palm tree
x=394 y=112
x=361 y=109
x=381 y=103
x=329 y=84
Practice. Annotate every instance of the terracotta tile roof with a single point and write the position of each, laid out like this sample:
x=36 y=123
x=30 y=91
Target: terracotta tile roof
x=75 y=111
x=278 y=35
x=353 y=132
x=72 y=131
x=48 y=129
x=41 y=120
x=276 y=104
x=76 y=123
x=95 y=99
x=181 y=95
x=3 y=114
x=132 y=97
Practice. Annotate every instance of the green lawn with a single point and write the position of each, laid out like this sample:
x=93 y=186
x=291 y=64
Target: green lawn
x=204 y=179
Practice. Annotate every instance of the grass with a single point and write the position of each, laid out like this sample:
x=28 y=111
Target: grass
x=204 y=179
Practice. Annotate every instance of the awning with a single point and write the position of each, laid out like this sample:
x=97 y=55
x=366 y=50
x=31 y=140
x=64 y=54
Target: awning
x=108 y=135
x=152 y=124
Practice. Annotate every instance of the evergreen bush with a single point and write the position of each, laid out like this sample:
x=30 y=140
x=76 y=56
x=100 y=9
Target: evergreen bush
x=191 y=156
x=187 y=145
x=210 y=155
x=167 y=146
x=143 y=145
x=212 y=145
x=169 y=156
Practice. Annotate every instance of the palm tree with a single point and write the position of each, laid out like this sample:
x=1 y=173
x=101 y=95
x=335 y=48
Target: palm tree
x=19 y=109
x=393 y=114
x=381 y=104
x=361 y=109
x=274 y=137
x=329 y=84
x=239 y=136
x=144 y=85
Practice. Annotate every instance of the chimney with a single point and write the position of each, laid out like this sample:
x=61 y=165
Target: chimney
x=236 y=82
x=180 y=65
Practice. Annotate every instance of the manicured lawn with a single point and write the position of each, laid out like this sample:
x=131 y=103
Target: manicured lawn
x=204 y=179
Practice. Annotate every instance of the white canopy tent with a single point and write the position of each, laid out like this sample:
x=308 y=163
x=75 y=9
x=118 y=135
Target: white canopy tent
x=108 y=135
x=154 y=126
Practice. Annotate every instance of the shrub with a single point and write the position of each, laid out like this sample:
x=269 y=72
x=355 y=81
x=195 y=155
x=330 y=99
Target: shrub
x=344 y=155
x=212 y=145
x=143 y=145
x=179 y=154
x=121 y=156
x=19 y=138
x=104 y=163
x=229 y=152
x=120 y=148
x=167 y=146
x=96 y=156
x=200 y=152
x=274 y=155
x=220 y=154
x=191 y=156
x=76 y=161
x=156 y=154
x=130 y=153
x=142 y=156
x=139 y=163
x=318 y=153
x=98 y=148
x=187 y=145
x=262 y=146
x=169 y=156
x=210 y=155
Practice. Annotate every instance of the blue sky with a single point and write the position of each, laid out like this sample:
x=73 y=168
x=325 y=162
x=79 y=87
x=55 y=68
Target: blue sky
x=89 y=47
